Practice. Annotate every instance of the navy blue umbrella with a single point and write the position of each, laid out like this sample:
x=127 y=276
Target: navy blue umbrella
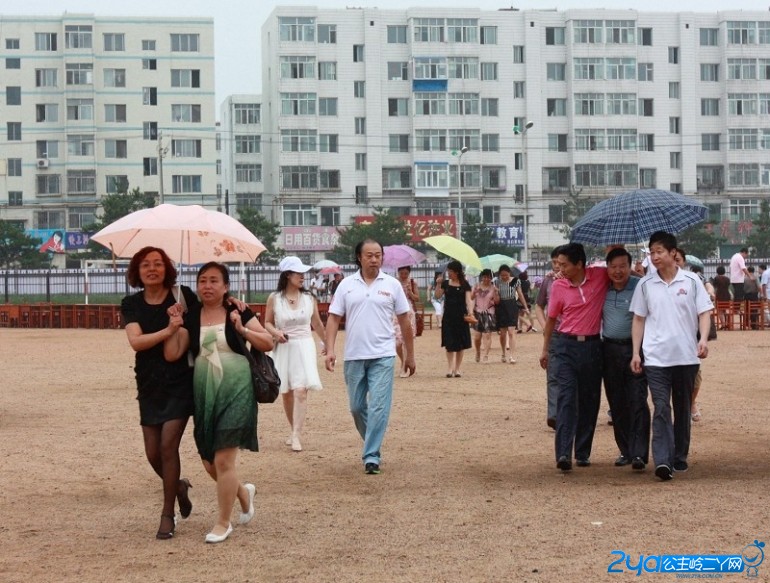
x=631 y=217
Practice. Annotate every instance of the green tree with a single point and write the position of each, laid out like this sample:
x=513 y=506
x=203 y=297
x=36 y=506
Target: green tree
x=576 y=206
x=265 y=230
x=19 y=250
x=760 y=233
x=699 y=241
x=481 y=237
x=387 y=228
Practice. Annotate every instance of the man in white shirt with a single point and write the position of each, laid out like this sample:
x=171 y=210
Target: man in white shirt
x=738 y=273
x=369 y=300
x=670 y=307
x=764 y=287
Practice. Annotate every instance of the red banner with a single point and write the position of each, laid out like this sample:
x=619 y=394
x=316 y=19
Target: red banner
x=421 y=226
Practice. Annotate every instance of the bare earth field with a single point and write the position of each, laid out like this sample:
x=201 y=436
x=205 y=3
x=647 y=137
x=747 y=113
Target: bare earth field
x=469 y=489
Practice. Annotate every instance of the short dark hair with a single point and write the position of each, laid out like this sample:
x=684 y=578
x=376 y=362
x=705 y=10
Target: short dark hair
x=505 y=268
x=457 y=267
x=132 y=275
x=222 y=269
x=721 y=270
x=407 y=267
x=619 y=252
x=555 y=252
x=744 y=250
x=574 y=252
x=487 y=272
x=663 y=238
x=762 y=266
x=360 y=247
x=750 y=269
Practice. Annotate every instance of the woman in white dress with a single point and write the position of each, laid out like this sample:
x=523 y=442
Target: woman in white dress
x=289 y=314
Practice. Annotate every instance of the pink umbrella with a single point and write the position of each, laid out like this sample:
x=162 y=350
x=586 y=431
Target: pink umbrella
x=188 y=234
x=330 y=269
x=396 y=256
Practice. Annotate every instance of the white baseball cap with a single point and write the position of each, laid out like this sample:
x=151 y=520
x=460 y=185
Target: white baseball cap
x=293 y=263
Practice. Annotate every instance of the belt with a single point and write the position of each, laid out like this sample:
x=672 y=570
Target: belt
x=579 y=338
x=624 y=341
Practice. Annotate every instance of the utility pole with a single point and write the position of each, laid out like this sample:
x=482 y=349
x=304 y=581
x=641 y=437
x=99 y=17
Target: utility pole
x=161 y=154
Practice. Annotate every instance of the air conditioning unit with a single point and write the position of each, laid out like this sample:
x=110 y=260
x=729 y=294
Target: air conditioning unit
x=42 y=163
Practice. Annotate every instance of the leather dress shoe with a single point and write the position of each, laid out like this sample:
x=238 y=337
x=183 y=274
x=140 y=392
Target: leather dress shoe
x=564 y=464
x=622 y=461
x=638 y=463
x=218 y=538
x=583 y=463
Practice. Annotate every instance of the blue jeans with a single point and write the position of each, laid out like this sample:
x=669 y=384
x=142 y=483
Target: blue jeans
x=370 y=393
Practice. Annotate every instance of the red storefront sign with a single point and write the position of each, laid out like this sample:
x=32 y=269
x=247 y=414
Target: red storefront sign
x=421 y=226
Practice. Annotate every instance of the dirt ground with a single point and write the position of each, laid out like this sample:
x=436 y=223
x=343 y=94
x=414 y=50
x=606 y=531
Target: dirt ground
x=469 y=489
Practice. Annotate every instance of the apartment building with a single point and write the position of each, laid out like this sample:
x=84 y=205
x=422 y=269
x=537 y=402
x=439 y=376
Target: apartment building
x=501 y=114
x=241 y=138
x=94 y=105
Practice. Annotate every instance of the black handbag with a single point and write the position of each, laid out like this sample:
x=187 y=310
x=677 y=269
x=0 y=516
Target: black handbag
x=264 y=376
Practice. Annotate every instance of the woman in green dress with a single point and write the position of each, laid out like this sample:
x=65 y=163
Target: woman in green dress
x=225 y=411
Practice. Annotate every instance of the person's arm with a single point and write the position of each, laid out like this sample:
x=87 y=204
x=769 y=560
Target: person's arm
x=550 y=324
x=252 y=332
x=469 y=302
x=540 y=315
x=178 y=343
x=332 y=326
x=140 y=341
x=637 y=334
x=523 y=301
x=318 y=326
x=438 y=288
x=704 y=325
x=270 y=326
x=408 y=335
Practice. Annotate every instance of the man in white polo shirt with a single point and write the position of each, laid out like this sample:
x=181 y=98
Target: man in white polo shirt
x=369 y=300
x=670 y=306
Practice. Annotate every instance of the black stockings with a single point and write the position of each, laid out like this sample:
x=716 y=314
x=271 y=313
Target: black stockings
x=161 y=444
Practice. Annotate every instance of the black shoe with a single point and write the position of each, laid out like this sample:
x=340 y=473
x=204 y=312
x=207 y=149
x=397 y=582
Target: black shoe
x=664 y=472
x=183 y=497
x=564 y=464
x=166 y=532
x=372 y=468
x=638 y=463
x=551 y=422
x=681 y=466
x=622 y=461
x=583 y=463
x=609 y=417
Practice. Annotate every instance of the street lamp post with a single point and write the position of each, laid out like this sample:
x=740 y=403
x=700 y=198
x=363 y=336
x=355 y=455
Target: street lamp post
x=524 y=167
x=459 y=153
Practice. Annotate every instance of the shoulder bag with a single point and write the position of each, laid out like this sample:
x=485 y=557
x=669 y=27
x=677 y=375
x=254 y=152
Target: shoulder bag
x=264 y=376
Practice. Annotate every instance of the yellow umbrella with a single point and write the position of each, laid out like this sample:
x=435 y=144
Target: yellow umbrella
x=455 y=249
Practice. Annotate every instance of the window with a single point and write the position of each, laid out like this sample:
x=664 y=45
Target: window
x=298 y=140
x=648 y=178
x=674 y=126
x=327 y=34
x=489 y=106
x=248 y=144
x=430 y=141
x=464 y=138
x=299 y=215
x=590 y=140
x=150 y=130
x=675 y=160
x=430 y=103
x=115 y=113
x=13 y=63
x=743 y=175
x=621 y=32
x=646 y=108
x=248 y=173
x=557 y=142
x=48 y=184
x=299 y=177
x=488 y=35
x=115 y=149
x=82 y=181
x=327 y=106
x=463 y=104
x=81 y=216
x=493 y=177
x=710 y=177
x=741 y=69
x=359 y=89
x=556 y=71
x=13 y=95
x=621 y=68
x=15 y=198
x=187 y=148
x=673 y=90
x=743 y=139
x=184 y=184
x=13 y=129
x=764 y=103
x=14 y=166
x=398 y=71
x=470 y=177
x=398 y=142
x=12 y=44
x=557 y=213
x=150 y=64
x=191 y=77
x=621 y=139
x=428 y=30
x=114 y=77
x=360 y=126
x=673 y=55
x=80 y=73
x=246 y=113
x=646 y=71
x=554 y=35
x=709 y=106
x=327 y=70
x=114 y=41
x=710 y=142
x=589 y=103
x=709 y=72
x=148 y=45
x=116 y=183
x=396 y=178
x=150 y=166
x=358 y=53
x=297 y=67
x=555 y=107
x=47 y=149
x=330 y=216
x=621 y=103
x=741 y=33
x=46 y=77
x=45 y=41
x=328 y=143
x=432 y=175
x=742 y=103
x=645 y=37
x=588 y=68
x=398 y=106
x=185 y=43
x=397 y=34
x=297 y=28
x=709 y=37
x=360 y=161
x=463 y=67
x=430 y=68
x=80 y=145
x=490 y=142
x=149 y=95
x=489 y=71
x=186 y=112
x=646 y=142
x=519 y=89
x=49 y=219
x=462 y=30
x=518 y=54
x=587 y=31
x=764 y=32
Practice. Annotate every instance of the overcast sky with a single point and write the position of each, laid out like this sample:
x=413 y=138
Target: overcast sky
x=238 y=22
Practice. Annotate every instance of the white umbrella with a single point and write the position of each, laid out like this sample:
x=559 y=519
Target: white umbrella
x=323 y=263
x=188 y=234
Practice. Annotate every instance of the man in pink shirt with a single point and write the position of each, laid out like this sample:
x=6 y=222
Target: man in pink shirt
x=576 y=301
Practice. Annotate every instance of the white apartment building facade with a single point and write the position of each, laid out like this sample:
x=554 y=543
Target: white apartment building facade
x=240 y=169
x=92 y=105
x=364 y=108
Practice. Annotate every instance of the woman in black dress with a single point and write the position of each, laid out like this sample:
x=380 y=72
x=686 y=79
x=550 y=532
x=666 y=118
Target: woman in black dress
x=164 y=388
x=458 y=310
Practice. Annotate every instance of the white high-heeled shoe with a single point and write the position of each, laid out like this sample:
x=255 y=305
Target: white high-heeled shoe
x=218 y=538
x=246 y=517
